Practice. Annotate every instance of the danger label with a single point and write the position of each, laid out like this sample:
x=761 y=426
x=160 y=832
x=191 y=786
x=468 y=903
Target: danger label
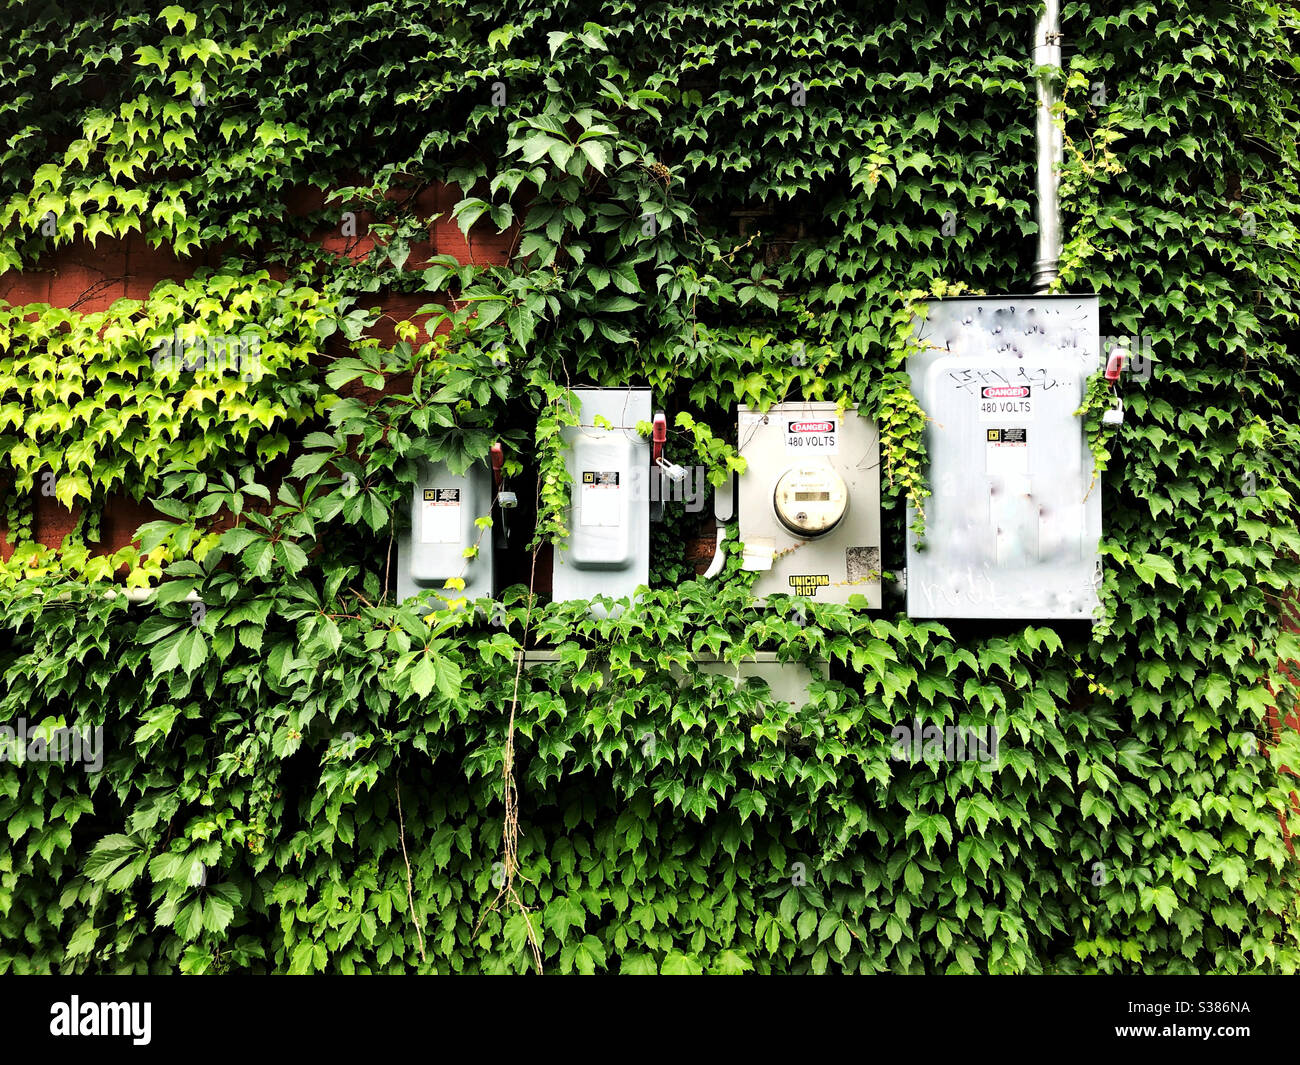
x=440 y=516
x=1008 y=437
x=600 y=499
x=812 y=437
x=998 y=402
x=808 y=583
x=1006 y=452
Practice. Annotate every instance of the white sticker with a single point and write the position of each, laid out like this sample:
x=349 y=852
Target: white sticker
x=1000 y=403
x=1006 y=452
x=440 y=516
x=599 y=499
x=812 y=436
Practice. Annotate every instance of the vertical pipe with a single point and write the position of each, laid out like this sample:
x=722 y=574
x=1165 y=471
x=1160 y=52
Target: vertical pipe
x=1051 y=151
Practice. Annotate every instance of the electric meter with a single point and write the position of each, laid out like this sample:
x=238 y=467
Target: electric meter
x=607 y=551
x=444 y=509
x=809 y=501
x=1014 y=520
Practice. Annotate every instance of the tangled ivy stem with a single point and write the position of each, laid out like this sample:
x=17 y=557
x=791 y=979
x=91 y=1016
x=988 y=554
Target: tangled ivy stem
x=410 y=895
x=509 y=791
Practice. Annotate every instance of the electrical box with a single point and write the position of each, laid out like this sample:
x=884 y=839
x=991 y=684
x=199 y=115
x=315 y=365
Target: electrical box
x=809 y=501
x=789 y=681
x=444 y=507
x=608 y=547
x=1013 y=524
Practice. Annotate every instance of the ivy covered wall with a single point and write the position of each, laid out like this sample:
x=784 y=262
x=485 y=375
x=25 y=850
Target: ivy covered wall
x=407 y=229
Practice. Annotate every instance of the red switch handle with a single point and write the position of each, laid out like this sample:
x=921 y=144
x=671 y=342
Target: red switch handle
x=498 y=461
x=660 y=437
x=1115 y=365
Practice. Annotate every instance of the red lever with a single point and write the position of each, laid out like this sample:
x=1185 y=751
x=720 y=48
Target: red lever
x=498 y=461
x=660 y=438
x=1115 y=364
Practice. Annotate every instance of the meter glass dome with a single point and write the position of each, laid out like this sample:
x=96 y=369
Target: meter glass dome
x=810 y=500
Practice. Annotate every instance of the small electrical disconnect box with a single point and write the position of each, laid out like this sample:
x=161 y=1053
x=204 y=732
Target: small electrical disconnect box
x=1014 y=520
x=608 y=547
x=809 y=501
x=444 y=507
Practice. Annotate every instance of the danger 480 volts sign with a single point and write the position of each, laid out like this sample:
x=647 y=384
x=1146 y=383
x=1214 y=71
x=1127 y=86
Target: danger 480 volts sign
x=812 y=436
x=999 y=402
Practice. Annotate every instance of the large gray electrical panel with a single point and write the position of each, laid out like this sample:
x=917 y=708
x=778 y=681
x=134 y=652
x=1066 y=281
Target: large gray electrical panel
x=444 y=508
x=809 y=501
x=1013 y=524
x=608 y=547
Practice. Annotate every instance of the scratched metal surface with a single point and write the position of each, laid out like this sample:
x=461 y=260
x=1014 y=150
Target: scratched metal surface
x=1012 y=527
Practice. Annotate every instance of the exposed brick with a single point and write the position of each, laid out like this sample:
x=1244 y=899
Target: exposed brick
x=52 y=521
x=22 y=289
x=122 y=516
x=399 y=307
x=485 y=246
x=304 y=200
x=90 y=278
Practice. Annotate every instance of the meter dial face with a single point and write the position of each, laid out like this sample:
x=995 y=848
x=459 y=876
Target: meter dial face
x=810 y=500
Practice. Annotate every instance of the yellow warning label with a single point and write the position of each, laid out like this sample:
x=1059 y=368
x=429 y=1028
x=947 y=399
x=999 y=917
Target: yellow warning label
x=808 y=583
x=993 y=434
x=588 y=477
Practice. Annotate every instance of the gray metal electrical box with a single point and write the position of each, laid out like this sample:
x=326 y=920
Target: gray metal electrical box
x=788 y=681
x=1012 y=527
x=444 y=507
x=608 y=547
x=809 y=501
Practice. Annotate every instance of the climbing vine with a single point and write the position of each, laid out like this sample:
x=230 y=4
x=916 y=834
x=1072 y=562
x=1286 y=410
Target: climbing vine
x=1097 y=398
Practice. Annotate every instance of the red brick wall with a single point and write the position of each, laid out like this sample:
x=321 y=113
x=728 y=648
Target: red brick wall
x=1276 y=722
x=90 y=279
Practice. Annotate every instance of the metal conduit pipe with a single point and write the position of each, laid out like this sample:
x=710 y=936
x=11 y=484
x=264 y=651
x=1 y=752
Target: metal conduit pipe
x=1050 y=149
